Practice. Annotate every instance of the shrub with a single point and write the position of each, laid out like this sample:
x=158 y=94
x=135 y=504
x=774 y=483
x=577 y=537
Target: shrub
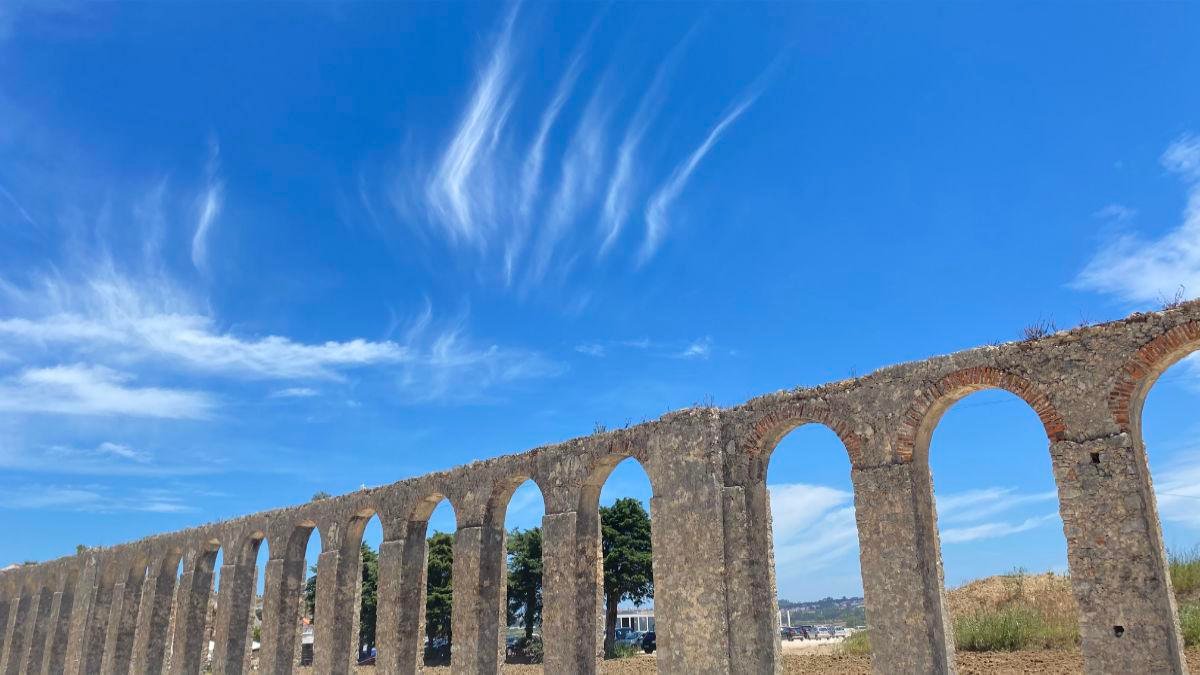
x=857 y=643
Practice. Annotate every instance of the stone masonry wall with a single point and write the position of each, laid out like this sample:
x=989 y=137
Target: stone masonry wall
x=127 y=609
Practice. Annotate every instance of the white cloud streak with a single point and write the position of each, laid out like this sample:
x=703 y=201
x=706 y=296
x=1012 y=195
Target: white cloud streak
x=154 y=322
x=93 y=499
x=813 y=526
x=699 y=349
x=618 y=198
x=464 y=187
x=1139 y=270
x=958 y=535
x=657 y=210
x=96 y=390
x=208 y=208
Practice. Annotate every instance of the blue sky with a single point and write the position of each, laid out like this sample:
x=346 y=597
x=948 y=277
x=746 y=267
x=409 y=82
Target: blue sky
x=252 y=252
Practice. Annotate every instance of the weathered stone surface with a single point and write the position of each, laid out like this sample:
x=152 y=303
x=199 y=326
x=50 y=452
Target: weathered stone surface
x=120 y=609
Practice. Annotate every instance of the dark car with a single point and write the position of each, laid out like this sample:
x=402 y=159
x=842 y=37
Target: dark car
x=648 y=642
x=788 y=633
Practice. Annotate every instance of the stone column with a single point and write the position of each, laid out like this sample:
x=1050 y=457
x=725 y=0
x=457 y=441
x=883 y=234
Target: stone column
x=588 y=592
x=560 y=637
x=95 y=627
x=329 y=647
x=410 y=601
x=750 y=563
x=1119 y=571
x=191 y=608
x=58 y=647
x=18 y=631
x=234 y=599
x=468 y=616
x=689 y=568
x=115 y=612
x=283 y=581
x=7 y=608
x=388 y=631
x=902 y=570
x=43 y=603
x=493 y=596
x=154 y=618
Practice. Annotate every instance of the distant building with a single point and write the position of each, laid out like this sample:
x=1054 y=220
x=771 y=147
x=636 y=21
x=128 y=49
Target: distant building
x=637 y=618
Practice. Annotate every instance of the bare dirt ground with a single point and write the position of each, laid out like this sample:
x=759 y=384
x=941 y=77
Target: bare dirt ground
x=807 y=663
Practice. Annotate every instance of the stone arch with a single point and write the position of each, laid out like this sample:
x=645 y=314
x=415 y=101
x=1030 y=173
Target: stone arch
x=771 y=428
x=1142 y=370
x=932 y=402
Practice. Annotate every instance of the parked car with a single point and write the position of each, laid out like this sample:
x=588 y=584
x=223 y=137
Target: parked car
x=788 y=633
x=649 y=644
x=628 y=636
x=810 y=632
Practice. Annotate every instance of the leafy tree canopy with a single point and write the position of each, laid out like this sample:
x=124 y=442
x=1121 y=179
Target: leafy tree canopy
x=525 y=578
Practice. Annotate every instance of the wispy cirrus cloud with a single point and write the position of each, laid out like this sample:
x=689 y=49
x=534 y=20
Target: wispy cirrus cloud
x=208 y=207
x=80 y=389
x=546 y=203
x=1140 y=270
x=94 y=499
x=964 y=511
x=295 y=392
x=813 y=526
x=657 y=211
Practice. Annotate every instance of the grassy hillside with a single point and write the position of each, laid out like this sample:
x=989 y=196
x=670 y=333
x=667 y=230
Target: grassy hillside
x=1019 y=611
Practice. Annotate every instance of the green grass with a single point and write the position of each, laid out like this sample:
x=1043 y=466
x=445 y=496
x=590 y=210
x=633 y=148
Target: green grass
x=856 y=644
x=1013 y=628
x=1185 y=572
x=1189 y=623
x=622 y=651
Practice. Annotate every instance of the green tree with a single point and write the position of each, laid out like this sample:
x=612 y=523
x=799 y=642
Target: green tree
x=319 y=495
x=525 y=577
x=439 y=588
x=370 y=598
x=628 y=573
x=310 y=593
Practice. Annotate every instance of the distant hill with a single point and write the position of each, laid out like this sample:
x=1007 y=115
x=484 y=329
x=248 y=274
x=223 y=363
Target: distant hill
x=848 y=611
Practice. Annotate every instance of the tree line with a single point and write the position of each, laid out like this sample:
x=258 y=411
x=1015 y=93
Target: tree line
x=628 y=576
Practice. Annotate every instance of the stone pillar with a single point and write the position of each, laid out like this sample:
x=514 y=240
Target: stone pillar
x=902 y=570
x=689 y=567
x=329 y=647
x=154 y=618
x=388 y=630
x=7 y=608
x=492 y=596
x=95 y=628
x=410 y=599
x=750 y=563
x=43 y=604
x=588 y=592
x=58 y=645
x=283 y=581
x=468 y=616
x=560 y=637
x=18 y=632
x=122 y=623
x=1118 y=563
x=234 y=600
x=191 y=608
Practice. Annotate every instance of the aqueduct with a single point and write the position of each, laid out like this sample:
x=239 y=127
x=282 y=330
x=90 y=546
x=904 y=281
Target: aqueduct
x=125 y=609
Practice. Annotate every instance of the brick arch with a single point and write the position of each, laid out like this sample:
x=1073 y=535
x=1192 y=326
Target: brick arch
x=1142 y=370
x=770 y=429
x=933 y=401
